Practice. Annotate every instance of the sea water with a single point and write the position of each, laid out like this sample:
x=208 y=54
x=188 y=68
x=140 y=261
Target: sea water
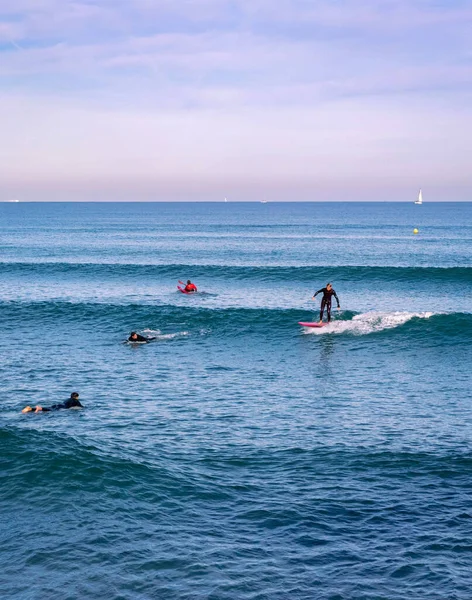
x=237 y=455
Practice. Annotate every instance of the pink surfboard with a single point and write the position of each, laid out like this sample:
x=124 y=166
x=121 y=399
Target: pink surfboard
x=303 y=324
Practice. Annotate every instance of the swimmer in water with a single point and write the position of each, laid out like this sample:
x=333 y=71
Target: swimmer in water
x=328 y=293
x=135 y=337
x=72 y=402
x=190 y=288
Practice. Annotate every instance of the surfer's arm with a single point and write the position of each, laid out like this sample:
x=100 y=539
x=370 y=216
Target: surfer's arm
x=318 y=292
x=337 y=299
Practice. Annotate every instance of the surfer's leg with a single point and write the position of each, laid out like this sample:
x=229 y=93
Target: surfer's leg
x=328 y=310
x=323 y=302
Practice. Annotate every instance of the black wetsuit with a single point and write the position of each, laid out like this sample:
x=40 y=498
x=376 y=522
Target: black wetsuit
x=71 y=403
x=138 y=338
x=326 y=301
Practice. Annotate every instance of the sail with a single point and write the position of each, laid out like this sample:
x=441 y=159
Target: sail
x=420 y=198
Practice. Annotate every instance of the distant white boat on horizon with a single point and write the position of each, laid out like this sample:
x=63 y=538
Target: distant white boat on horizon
x=420 y=198
x=264 y=201
x=12 y=200
x=226 y=199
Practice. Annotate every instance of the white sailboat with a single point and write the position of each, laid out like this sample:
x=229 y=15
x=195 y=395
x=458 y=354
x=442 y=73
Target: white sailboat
x=420 y=198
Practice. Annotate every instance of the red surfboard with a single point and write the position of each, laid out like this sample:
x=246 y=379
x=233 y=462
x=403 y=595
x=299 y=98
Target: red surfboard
x=303 y=324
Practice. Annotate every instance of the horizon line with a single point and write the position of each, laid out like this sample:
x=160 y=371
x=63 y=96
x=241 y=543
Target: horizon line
x=231 y=202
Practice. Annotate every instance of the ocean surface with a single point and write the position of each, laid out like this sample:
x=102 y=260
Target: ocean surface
x=237 y=456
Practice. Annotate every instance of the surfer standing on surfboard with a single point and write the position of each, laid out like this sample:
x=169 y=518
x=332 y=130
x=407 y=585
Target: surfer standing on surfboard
x=328 y=293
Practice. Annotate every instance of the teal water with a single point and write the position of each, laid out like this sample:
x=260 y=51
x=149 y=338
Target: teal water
x=237 y=456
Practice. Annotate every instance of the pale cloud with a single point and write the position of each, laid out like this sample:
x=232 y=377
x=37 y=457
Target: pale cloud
x=124 y=96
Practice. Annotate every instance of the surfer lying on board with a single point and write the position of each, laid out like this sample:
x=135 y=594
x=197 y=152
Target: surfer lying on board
x=137 y=338
x=328 y=293
x=73 y=402
x=190 y=288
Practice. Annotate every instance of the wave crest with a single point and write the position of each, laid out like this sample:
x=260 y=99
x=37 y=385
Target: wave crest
x=370 y=322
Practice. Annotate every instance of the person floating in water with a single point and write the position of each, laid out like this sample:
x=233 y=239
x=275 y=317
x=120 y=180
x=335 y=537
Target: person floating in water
x=328 y=293
x=190 y=288
x=138 y=339
x=73 y=402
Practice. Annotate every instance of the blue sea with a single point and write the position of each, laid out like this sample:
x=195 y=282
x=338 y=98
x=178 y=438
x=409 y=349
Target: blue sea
x=237 y=456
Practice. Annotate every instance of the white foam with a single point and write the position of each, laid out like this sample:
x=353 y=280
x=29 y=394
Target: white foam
x=171 y=336
x=156 y=333
x=370 y=322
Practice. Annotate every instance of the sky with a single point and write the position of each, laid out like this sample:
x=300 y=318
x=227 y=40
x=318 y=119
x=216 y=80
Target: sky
x=278 y=100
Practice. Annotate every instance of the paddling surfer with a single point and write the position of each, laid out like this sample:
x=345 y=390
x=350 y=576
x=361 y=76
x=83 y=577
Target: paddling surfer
x=137 y=338
x=328 y=293
x=72 y=402
x=190 y=288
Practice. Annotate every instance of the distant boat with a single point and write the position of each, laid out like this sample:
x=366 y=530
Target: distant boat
x=420 y=198
x=12 y=200
x=264 y=201
x=226 y=199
